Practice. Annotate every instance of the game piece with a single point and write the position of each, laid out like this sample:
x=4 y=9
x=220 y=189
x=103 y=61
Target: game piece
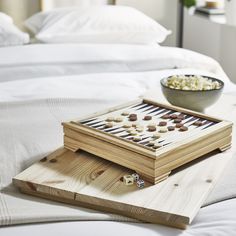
x=152 y=128
x=132 y=115
x=125 y=113
x=137 y=138
x=183 y=128
x=140 y=183
x=162 y=123
x=147 y=117
x=118 y=119
x=156 y=135
x=133 y=132
x=173 y=116
x=151 y=124
x=135 y=124
x=127 y=125
x=139 y=128
x=129 y=130
x=108 y=125
x=177 y=120
x=197 y=123
x=163 y=130
x=135 y=177
x=128 y=179
x=171 y=128
x=133 y=118
x=157 y=145
x=166 y=116
x=151 y=143
x=178 y=125
x=181 y=116
x=110 y=118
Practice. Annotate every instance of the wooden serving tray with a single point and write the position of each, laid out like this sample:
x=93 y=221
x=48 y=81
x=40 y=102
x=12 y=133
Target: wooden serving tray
x=154 y=165
x=90 y=181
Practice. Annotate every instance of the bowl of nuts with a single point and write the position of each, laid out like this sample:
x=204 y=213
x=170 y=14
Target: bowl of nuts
x=195 y=92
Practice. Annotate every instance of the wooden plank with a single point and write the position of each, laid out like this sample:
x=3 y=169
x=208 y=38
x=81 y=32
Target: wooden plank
x=84 y=179
x=161 y=219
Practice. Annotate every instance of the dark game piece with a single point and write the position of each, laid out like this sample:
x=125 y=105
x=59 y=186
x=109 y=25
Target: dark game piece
x=162 y=123
x=147 y=117
x=171 y=128
x=166 y=116
x=178 y=125
x=177 y=120
x=183 y=128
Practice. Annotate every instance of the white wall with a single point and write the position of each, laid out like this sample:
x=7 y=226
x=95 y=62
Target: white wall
x=212 y=39
x=201 y=35
x=19 y=9
x=164 y=11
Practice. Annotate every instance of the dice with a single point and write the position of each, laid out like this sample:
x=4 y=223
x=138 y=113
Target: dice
x=140 y=183
x=135 y=177
x=128 y=179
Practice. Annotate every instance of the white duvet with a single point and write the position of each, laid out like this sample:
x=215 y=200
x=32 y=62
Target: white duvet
x=41 y=85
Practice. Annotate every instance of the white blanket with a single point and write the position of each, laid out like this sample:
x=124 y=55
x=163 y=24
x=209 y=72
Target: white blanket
x=33 y=106
x=41 y=60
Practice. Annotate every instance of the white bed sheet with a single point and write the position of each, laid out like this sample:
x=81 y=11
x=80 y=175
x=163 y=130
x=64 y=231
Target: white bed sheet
x=98 y=76
x=117 y=87
x=47 y=71
x=217 y=219
x=41 y=60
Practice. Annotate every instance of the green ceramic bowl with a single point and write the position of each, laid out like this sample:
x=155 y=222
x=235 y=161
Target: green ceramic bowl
x=196 y=100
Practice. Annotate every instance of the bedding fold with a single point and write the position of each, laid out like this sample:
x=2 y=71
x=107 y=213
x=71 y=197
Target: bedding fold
x=39 y=60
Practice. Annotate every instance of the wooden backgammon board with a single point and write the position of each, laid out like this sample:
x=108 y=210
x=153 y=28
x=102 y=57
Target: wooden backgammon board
x=148 y=137
x=144 y=145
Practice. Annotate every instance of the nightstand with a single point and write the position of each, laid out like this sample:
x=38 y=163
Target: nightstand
x=212 y=36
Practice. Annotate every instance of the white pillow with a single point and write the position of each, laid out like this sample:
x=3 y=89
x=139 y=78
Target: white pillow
x=9 y=34
x=4 y=17
x=97 y=24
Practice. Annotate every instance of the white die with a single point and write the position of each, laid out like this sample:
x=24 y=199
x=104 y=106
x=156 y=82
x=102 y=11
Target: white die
x=135 y=177
x=140 y=183
x=128 y=179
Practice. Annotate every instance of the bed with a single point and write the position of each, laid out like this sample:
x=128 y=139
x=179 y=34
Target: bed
x=44 y=84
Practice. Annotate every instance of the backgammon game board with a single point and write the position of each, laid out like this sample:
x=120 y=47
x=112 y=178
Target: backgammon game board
x=150 y=138
x=112 y=160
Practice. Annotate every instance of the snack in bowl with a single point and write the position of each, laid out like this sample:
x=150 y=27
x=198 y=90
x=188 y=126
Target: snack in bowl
x=192 y=82
x=195 y=92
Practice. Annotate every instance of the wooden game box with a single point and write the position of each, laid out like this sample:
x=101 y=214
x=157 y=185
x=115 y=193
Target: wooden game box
x=172 y=149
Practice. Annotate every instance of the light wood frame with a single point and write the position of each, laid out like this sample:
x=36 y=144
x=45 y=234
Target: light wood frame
x=153 y=166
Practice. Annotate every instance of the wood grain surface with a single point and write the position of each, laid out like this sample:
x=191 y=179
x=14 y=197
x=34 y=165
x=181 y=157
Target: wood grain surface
x=86 y=180
x=177 y=148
